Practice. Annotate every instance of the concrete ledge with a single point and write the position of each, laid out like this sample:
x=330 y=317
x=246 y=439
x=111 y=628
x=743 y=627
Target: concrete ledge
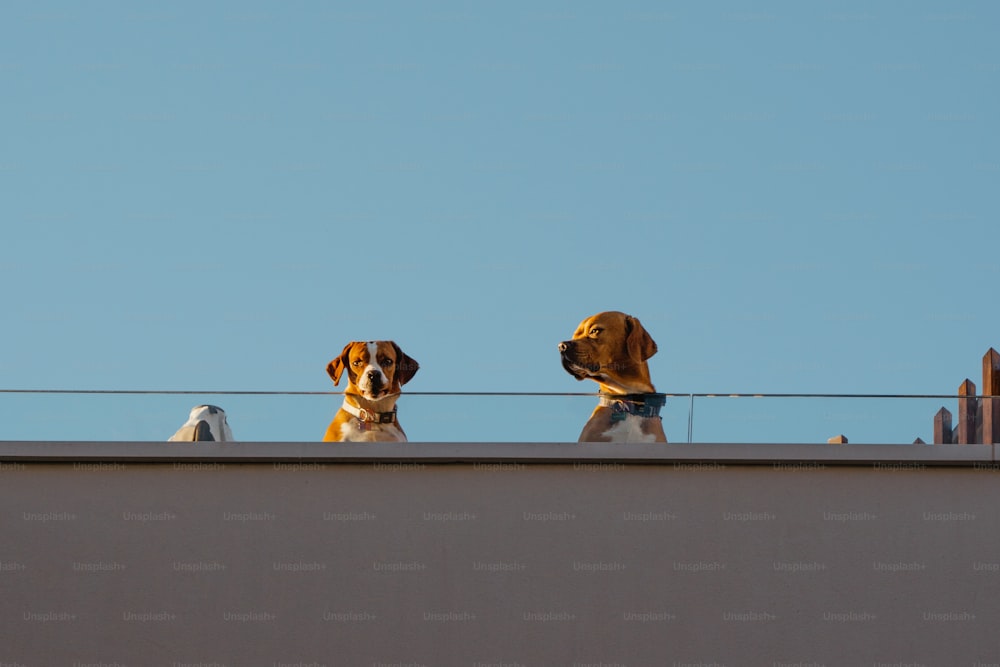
x=153 y=553
x=525 y=453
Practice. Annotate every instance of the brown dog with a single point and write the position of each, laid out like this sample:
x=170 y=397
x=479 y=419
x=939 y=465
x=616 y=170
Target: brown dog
x=611 y=348
x=376 y=370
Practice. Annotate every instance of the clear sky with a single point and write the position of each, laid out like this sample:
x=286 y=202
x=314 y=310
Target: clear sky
x=793 y=197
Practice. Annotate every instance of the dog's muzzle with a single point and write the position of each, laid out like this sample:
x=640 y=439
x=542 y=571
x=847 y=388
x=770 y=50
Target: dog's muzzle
x=375 y=386
x=573 y=366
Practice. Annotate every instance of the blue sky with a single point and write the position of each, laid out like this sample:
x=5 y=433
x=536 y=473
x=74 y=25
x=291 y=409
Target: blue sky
x=792 y=197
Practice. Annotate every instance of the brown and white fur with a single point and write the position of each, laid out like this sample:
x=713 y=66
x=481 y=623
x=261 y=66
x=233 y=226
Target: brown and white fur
x=611 y=348
x=376 y=370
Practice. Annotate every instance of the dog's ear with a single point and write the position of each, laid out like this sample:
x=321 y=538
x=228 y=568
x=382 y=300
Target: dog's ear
x=641 y=345
x=202 y=432
x=336 y=367
x=406 y=367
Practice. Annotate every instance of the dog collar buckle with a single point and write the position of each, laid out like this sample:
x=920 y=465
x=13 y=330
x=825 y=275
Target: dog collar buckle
x=366 y=417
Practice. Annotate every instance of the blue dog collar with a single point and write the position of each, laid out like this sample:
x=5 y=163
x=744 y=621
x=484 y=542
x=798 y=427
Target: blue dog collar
x=640 y=405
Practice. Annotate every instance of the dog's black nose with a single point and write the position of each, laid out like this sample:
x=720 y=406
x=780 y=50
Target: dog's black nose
x=563 y=346
x=373 y=375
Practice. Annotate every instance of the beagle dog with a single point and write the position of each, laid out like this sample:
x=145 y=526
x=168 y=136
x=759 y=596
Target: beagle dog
x=611 y=348
x=205 y=423
x=376 y=370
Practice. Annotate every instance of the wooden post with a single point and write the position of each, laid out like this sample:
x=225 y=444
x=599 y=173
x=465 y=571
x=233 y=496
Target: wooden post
x=837 y=440
x=942 y=427
x=991 y=406
x=967 y=403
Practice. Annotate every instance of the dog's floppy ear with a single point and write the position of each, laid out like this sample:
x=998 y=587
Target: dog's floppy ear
x=202 y=432
x=197 y=432
x=406 y=367
x=641 y=345
x=336 y=367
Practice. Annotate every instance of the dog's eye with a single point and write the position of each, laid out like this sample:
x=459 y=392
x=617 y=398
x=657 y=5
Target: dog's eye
x=386 y=363
x=357 y=362
x=595 y=331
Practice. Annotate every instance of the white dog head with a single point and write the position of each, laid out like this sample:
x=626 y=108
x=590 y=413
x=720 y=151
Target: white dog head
x=206 y=422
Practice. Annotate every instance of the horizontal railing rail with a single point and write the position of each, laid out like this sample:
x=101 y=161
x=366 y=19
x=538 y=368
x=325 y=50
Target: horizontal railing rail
x=669 y=394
